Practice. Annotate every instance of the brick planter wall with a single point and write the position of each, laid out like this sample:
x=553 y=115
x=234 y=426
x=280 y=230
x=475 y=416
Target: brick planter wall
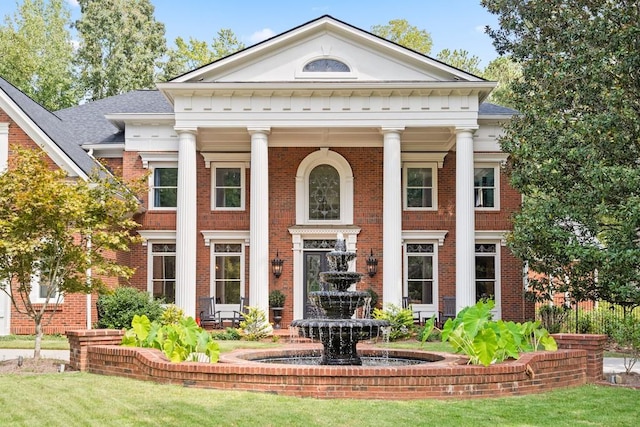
x=594 y=346
x=447 y=378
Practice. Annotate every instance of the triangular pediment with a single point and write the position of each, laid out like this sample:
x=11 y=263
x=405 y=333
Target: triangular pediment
x=339 y=51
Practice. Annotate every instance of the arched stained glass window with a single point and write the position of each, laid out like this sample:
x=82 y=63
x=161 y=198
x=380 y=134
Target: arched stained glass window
x=324 y=193
x=326 y=66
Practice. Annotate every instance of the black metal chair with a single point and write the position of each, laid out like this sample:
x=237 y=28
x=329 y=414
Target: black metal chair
x=209 y=317
x=448 y=310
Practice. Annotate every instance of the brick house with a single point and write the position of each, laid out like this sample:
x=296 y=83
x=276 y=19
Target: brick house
x=273 y=151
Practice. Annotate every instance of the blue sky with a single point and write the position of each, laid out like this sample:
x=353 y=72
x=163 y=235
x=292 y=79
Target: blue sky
x=453 y=24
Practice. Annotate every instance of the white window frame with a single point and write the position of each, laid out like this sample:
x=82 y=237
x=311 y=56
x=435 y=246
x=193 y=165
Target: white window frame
x=34 y=295
x=213 y=237
x=497 y=310
x=434 y=184
x=150 y=254
x=153 y=161
x=243 y=185
x=320 y=157
x=432 y=237
x=164 y=165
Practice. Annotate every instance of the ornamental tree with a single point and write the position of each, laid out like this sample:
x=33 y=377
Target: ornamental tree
x=54 y=230
x=575 y=147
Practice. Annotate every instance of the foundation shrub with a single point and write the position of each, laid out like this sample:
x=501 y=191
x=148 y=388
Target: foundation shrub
x=627 y=336
x=400 y=319
x=553 y=317
x=117 y=309
x=229 y=334
x=255 y=326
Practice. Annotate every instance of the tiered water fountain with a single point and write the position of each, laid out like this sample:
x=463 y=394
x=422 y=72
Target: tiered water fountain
x=334 y=307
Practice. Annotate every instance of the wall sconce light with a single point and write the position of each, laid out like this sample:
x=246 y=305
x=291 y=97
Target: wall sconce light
x=372 y=265
x=276 y=265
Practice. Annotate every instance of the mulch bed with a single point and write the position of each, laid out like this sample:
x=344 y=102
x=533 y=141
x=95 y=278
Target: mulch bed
x=29 y=365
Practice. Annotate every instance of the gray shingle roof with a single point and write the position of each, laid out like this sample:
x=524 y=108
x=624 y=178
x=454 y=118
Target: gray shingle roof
x=52 y=126
x=488 y=109
x=88 y=122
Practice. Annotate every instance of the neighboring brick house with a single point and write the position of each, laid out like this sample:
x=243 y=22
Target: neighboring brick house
x=278 y=148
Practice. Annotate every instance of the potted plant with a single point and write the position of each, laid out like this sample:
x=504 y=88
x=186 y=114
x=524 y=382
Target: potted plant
x=276 y=302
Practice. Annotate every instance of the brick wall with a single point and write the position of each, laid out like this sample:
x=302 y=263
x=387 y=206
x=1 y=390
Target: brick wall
x=532 y=373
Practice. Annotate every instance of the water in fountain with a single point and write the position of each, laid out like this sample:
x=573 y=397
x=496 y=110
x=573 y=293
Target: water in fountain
x=335 y=306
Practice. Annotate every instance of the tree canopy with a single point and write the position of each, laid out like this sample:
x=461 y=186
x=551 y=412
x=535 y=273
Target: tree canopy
x=121 y=46
x=575 y=148
x=52 y=230
x=36 y=52
x=401 y=32
x=187 y=56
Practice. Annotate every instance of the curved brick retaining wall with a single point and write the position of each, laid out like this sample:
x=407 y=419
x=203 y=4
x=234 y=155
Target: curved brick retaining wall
x=532 y=373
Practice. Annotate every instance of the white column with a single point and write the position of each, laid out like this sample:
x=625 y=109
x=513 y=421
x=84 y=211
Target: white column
x=186 y=229
x=259 y=264
x=465 y=221
x=392 y=218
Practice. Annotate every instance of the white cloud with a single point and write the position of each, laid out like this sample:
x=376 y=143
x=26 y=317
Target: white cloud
x=73 y=3
x=261 y=35
x=480 y=28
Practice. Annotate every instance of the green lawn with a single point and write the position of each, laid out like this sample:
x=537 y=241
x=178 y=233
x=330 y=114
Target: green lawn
x=49 y=342
x=94 y=400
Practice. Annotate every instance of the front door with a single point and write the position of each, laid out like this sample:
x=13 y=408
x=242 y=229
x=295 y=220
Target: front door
x=314 y=263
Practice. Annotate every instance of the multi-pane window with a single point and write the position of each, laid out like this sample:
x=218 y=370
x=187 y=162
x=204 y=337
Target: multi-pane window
x=39 y=290
x=420 y=272
x=227 y=275
x=163 y=280
x=165 y=188
x=485 y=271
x=484 y=183
x=228 y=187
x=419 y=187
x=324 y=194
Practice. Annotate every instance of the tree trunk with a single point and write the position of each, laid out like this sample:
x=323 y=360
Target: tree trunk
x=38 y=345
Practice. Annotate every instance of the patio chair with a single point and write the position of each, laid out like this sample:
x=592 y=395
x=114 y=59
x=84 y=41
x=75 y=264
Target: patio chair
x=238 y=316
x=448 y=310
x=209 y=317
x=406 y=304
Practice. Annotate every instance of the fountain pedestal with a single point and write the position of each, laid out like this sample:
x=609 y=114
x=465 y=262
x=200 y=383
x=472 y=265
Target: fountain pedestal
x=334 y=324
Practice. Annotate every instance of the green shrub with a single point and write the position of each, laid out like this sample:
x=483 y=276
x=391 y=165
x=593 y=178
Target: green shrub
x=116 y=310
x=432 y=334
x=172 y=314
x=255 y=326
x=229 y=334
x=182 y=341
x=627 y=336
x=553 y=317
x=400 y=319
x=485 y=341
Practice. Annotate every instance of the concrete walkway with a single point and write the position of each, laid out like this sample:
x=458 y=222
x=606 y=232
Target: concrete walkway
x=611 y=364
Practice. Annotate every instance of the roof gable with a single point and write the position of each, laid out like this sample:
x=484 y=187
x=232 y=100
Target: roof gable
x=369 y=58
x=47 y=130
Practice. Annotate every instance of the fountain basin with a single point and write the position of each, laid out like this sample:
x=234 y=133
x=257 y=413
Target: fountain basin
x=340 y=280
x=337 y=305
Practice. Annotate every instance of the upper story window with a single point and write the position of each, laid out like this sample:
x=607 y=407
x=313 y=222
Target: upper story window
x=229 y=186
x=325 y=65
x=324 y=189
x=420 y=186
x=163 y=179
x=165 y=188
x=486 y=187
x=324 y=193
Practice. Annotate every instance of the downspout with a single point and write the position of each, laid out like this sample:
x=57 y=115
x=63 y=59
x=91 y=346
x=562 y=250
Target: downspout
x=88 y=274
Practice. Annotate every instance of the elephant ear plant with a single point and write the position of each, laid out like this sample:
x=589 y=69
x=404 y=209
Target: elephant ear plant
x=485 y=341
x=181 y=341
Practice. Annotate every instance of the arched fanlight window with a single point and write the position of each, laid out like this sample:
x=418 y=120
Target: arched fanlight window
x=326 y=66
x=324 y=193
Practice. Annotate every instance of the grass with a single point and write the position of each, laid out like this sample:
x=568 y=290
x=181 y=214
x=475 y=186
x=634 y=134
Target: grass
x=49 y=342
x=87 y=399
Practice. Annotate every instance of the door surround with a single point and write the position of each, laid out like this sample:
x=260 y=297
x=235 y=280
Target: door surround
x=299 y=234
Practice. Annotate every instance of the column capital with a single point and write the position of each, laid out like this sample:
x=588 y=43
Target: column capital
x=257 y=130
x=396 y=129
x=181 y=130
x=470 y=129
